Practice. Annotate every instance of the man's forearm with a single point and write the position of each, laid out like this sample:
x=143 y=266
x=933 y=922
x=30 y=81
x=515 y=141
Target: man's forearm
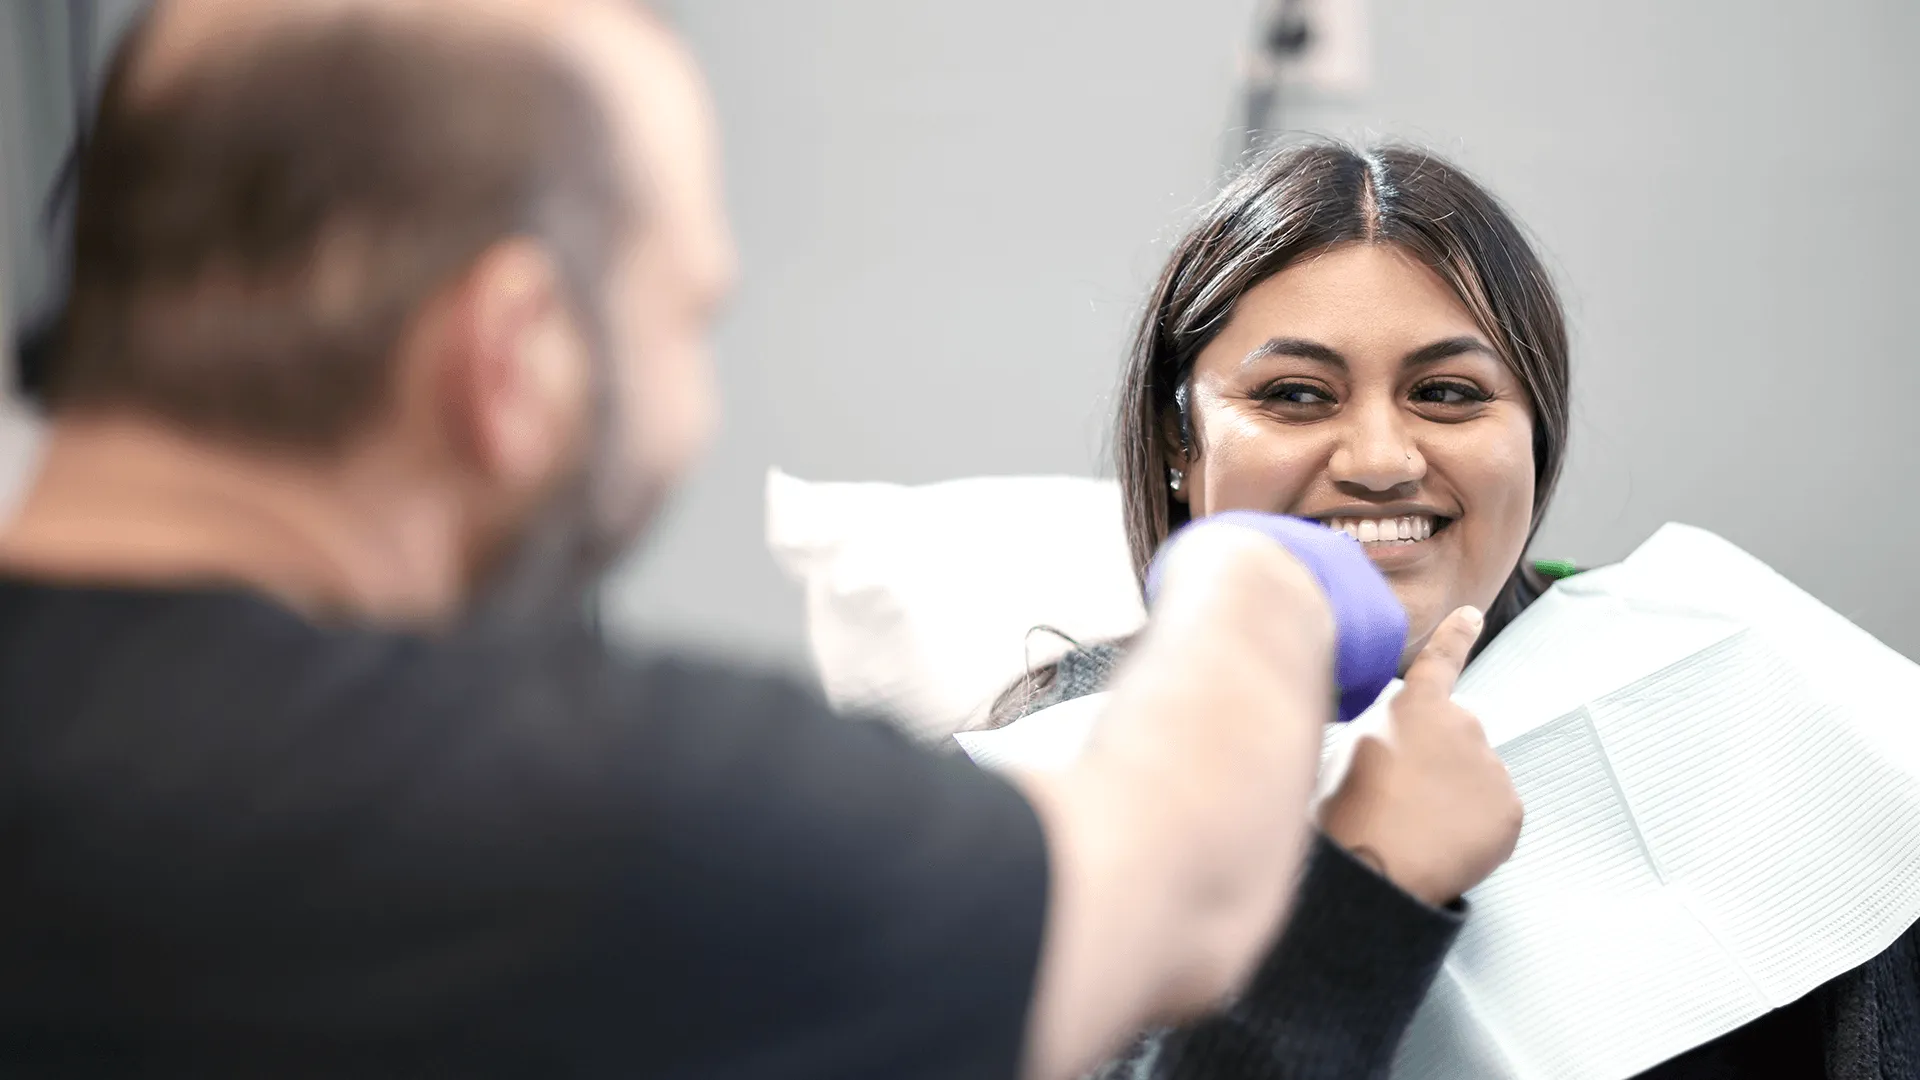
x=1177 y=838
x=1216 y=729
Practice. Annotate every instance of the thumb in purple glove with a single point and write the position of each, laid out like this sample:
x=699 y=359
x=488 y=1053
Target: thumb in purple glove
x=1370 y=626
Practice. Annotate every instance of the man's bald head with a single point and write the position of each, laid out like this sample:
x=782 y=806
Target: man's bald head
x=456 y=259
x=185 y=35
x=275 y=187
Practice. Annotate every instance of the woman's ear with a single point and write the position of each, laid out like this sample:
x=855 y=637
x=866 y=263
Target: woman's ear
x=1176 y=449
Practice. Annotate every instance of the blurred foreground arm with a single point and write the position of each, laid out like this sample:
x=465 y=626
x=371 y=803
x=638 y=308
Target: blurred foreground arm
x=1425 y=811
x=1176 y=841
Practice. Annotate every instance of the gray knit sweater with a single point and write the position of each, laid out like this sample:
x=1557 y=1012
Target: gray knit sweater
x=1334 y=997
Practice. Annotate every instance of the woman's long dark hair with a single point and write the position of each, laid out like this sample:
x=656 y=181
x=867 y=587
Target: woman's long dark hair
x=1296 y=201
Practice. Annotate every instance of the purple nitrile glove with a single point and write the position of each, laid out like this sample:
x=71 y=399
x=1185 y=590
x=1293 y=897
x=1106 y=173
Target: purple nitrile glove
x=1370 y=626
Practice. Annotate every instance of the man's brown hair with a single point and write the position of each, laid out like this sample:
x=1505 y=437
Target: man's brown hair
x=253 y=236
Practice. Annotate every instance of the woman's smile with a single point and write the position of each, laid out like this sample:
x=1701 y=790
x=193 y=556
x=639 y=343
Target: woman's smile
x=1393 y=538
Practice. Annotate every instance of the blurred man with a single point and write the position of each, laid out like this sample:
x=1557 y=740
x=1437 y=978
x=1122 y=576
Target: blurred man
x=387 y=333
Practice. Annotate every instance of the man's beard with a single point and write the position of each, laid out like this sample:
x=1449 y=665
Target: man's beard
x=554 y=568
x=555 y=565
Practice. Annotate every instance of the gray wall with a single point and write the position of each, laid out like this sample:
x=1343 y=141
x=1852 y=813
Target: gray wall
x=948 y=214
x=37 y=112
x=1727 y=191
x=36 y=123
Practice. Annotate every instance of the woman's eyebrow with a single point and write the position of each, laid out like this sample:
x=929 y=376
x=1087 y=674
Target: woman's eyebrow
x=1304 y=349
x=1446 y=348
x=1298 y=347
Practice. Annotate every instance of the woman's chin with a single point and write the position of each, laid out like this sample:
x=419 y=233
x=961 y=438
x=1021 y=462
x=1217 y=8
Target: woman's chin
x=1406 y=658
x=1419 y=631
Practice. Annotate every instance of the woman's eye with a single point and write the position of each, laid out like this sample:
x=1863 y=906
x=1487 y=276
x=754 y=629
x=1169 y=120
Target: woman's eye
x=1296 y=394
x=1449 y=394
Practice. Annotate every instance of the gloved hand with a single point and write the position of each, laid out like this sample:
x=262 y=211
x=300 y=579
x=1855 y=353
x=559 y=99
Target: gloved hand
x=1370 y=626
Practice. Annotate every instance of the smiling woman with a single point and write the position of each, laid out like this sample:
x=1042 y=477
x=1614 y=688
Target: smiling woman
x=1365 y=339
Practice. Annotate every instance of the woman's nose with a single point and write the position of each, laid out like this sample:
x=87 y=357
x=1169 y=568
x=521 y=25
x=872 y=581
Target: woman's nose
x=1376 y=453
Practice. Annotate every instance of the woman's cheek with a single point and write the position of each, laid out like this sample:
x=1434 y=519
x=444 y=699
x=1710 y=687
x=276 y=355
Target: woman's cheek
x=1509 y=485
x=1252 y=467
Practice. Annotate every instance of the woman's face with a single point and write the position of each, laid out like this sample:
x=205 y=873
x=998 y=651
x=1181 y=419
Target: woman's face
x=1354 y=388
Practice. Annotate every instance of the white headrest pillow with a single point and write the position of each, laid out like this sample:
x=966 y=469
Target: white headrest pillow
x=921 y=600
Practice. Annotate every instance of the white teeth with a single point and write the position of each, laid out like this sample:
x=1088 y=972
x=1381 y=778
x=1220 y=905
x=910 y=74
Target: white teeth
x=1404 y=530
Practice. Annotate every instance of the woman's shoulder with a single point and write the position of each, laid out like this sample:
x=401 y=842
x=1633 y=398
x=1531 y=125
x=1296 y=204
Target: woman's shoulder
x=1085 y=669
x=1088 y=669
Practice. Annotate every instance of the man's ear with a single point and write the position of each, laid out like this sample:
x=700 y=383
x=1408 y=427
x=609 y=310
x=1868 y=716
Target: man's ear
x=514 y=368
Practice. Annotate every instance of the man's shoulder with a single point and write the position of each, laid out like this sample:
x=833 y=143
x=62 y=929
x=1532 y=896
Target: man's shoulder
x=542 y=729
x=245 y=649
x=245 y=692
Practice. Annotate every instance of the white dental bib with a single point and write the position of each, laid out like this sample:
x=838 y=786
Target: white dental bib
x=1722 y=784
